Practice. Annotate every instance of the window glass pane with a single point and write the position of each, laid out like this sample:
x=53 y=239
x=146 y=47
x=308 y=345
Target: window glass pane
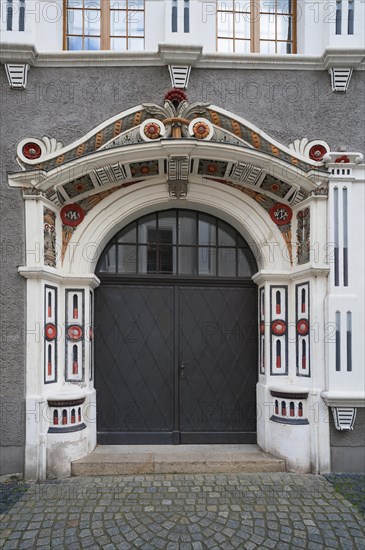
x=74 y=22
x=118 y=23
x=242 y=46
x=227 y=262
x=75 y=4
x=226 y=235
x=118 y=5
x=225 y=24
x=136 y=23
x=225 y=46
x=267 y=47
x=267 y=27
x=136 y=44
x=284 y=47
x=91 y=43
x=166 y=257
x=108 y=263
x=167 y=227
x=284 y=6
x=242 y=26
x=147 y=259
x=207 y=260
x=147 y=229
x=242 y=6
x=284 y=26
x=92 y=4
x=118 y=44
x=267 y=6
x=135 y=5
x=207 y=230
x=74 y=43
x=129 y=234
x=187 y=260
x=245 y=265
x=225 y=5
x=127 y=259
x=187 y=228
x=92 y=22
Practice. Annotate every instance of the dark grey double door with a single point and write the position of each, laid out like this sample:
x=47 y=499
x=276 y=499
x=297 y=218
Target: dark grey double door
x=175 y=363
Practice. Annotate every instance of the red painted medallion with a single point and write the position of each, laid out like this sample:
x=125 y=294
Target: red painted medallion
x=50 y=331
x=278 y=327
x=281 y=214
x=74 y=332
x=72 y=214
x=31 y=150
x=302 y=327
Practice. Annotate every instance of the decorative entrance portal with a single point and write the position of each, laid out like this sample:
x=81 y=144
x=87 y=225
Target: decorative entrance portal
x=176 y=333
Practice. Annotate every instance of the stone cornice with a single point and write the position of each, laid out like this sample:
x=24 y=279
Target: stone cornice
x=344 y=399
x=51 y=274
x=192 y=55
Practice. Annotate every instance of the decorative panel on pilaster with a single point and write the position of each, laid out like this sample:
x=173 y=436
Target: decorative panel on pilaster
x=339 y=237
x=262 y=329
x=49 y=237
x=75 y=313
x=50 y=334
x=279 y=330
x=302 y=325
x=303 y=236
x=91 y=335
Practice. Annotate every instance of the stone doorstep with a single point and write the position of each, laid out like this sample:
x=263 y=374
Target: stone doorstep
x=179 y=459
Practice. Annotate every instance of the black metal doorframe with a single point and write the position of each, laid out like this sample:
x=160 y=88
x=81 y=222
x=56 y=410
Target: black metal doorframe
x=175 y=436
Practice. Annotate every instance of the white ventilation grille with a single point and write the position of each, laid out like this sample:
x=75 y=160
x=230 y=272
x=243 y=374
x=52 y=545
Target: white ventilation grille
x=340 y=79
x=344 y=418
x=179 y=75
x=17 y=75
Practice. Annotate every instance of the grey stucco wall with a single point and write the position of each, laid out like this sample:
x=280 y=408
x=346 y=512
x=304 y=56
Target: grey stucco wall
x=65 y=103
x=348 y=448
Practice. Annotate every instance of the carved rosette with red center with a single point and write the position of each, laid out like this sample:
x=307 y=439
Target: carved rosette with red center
x=317 y=152
x=302 y=327
x=74 y=333
x=175 y=95
x=201 y=130
x=278 y=327
x=31 y=150
x=50 y=331
x=152 y=130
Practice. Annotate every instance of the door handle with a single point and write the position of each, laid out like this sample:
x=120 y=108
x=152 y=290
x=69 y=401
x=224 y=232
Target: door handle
x=182 y=370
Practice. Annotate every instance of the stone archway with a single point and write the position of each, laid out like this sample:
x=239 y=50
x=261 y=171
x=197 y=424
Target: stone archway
x=78 y=196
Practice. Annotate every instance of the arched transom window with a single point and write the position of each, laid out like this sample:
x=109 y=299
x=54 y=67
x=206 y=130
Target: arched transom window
x=178 y=242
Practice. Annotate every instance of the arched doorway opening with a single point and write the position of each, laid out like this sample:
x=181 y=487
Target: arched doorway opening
x=176 y=332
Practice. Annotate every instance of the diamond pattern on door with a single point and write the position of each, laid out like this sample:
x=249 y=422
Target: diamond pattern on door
x=134 y=358
x=174 y=362
x=218 y=349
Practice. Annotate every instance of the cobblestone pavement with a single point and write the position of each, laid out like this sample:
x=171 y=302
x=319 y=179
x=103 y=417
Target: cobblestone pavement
x=351 y=486
x=221 y=512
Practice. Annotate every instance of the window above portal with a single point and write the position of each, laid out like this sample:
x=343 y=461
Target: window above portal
x=256 y=26
x=105 y=25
